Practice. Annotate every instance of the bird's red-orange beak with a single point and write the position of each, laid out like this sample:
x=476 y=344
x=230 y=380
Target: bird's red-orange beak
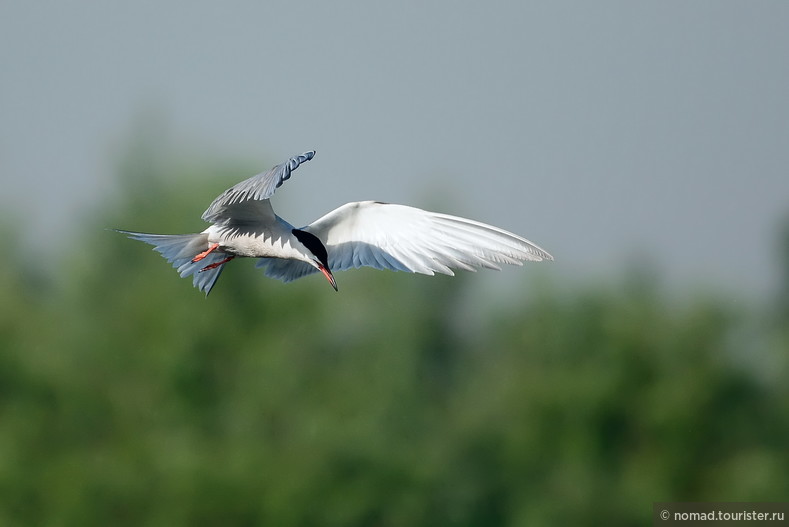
x=330 y=277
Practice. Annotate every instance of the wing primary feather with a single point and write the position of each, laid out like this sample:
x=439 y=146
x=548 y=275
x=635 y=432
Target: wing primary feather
x=259 y=187
x=496 y=234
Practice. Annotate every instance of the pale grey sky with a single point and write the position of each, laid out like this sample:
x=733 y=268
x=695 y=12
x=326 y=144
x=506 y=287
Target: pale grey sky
x=596 y=129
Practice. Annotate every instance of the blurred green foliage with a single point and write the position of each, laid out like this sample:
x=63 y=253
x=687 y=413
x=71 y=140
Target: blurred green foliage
x=126 y=398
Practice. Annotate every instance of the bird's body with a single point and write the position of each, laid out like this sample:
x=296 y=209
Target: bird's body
x=365 y=233
x=276 y=241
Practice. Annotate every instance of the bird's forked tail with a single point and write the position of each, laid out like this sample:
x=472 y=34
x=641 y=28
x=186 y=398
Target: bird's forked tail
x=190 y=254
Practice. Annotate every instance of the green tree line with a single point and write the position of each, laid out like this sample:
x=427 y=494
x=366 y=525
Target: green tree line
x=126 y=398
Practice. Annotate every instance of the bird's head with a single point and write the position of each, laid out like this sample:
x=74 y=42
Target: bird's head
x=320 y=258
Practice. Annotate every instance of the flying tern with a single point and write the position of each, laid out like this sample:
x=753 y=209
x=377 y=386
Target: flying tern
x=358 y=234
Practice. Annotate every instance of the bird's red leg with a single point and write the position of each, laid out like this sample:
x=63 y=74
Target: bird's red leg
x=211 y=248
x=217 y=264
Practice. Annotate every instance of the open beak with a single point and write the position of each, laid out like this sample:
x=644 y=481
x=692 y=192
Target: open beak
x=328 y=275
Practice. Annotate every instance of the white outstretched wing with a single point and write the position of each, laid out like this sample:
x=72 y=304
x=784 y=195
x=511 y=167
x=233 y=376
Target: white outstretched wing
x=232 y=202
x=401 y=238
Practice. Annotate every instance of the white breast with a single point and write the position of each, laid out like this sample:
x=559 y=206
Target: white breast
x=254 y=241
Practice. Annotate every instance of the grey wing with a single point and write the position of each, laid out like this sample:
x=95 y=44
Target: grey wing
x=285 y=270
x=258 y=188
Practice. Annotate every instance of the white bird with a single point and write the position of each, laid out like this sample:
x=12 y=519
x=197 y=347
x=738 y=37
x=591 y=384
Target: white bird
x=363 y=233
